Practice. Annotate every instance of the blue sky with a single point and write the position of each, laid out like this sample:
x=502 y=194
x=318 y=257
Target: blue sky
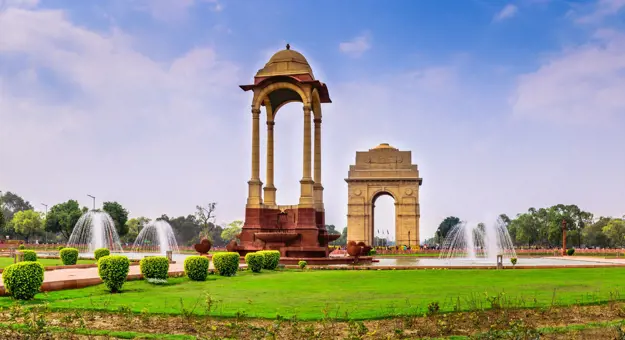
x=505 y=105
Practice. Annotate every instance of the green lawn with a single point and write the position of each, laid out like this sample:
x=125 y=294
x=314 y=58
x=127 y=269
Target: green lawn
x=6 y=261
x=362 y=294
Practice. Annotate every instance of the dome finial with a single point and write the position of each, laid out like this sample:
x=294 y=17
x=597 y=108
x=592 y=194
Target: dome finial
x=288 y=46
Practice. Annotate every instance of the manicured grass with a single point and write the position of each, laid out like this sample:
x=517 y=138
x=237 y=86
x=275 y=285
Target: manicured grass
x=6 y=261
x=361 y=294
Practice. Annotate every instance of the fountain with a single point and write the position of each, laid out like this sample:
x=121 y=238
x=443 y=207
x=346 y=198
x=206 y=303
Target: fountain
x=481 y=241
x=95 y=229
x=156 y=237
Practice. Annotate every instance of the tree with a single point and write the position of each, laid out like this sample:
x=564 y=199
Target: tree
x=11 y=203
x=331 y=229
x=119 y=216
x=187 y=229
x=593 y=234
x=27 y=223
x=231 y=231
x=341 y=241
x=62 y=218
x=615 y=231
x=445 y=227
x=2 y=221
x=205 y=217
x=134 y=226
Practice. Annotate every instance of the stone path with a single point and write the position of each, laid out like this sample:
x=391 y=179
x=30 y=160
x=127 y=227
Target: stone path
x=60 y=279
x=591 y=259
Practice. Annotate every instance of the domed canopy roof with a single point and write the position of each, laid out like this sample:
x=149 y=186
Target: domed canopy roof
x=286 y=62
x=384 y=146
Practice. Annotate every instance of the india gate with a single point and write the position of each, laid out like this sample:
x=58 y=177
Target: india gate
x=298 y=229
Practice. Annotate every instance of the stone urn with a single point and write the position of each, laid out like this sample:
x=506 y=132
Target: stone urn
x=203 y=247
x=231 y=246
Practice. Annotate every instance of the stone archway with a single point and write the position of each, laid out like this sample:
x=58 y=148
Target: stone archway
x=383 y=170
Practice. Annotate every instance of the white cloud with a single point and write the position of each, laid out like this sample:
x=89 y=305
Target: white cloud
x=507 y=12
x=91 y=113
x=357 y=46
x=580 y=85
x=602 y=9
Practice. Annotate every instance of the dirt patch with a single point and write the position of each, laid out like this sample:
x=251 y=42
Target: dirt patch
x=489 y=324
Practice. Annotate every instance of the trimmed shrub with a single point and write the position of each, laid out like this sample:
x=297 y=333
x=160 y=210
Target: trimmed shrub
x=21 y=247
x=226 y=263
x=302 y=264
x=113 y=271
x=513 y=260
x=271 y=259
x=254 y=262
x=60 y=248
x=101 y=252
x=155 y=267
x=196 y=267
x=29 y=255
x=570 y=251
x=69 y=256
x=23 y=280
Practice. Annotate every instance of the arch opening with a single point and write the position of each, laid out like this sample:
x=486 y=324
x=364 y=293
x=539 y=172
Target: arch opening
x=383 y=218
x=288 y=156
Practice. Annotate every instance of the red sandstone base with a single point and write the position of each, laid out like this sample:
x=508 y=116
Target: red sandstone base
x=296 y=233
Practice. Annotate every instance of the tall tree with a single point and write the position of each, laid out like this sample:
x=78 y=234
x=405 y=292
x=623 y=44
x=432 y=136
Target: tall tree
x=341 y=241
x=27 y=223
x=119 y=216
x=206 y=218
x=62 y=218
x=615 y=231
x=134 y=226
x=445 y=227
x=231 y=231
x=593 y=234
x=331 y=229
x=186 y=229
x=11 y=203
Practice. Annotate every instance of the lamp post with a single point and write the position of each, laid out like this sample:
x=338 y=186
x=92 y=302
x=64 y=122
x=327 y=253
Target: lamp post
x=93 y=197
x=45 y=234
x=563 y=237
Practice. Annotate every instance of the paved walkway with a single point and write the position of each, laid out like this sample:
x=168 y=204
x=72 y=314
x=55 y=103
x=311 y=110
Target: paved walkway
x=61 y=275
x=611 y=260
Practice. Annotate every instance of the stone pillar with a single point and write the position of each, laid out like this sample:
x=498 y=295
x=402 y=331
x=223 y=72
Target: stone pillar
x=306 y=184
x=270 y=189
x=318 y=188
x=254 y=184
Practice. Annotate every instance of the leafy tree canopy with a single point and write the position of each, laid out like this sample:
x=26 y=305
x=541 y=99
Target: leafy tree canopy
x=27 y=223
x=119 y=216
x=62 y=218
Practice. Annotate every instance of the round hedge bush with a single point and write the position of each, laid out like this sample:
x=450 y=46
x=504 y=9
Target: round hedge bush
x=196 y=267
x=29 y=255
x=570 y=251
x=271 y=259
x=69 y=256
x=254 y=262
x=101 y=252
x=23 y=280
x=113 y=271
x=21 y=247
x=155 y=267
x=226 y=263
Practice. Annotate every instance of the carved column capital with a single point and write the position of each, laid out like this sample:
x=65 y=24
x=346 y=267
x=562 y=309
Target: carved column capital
x=270 y=124
x=307 y=108
x=317 y=120
x=256 y=112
